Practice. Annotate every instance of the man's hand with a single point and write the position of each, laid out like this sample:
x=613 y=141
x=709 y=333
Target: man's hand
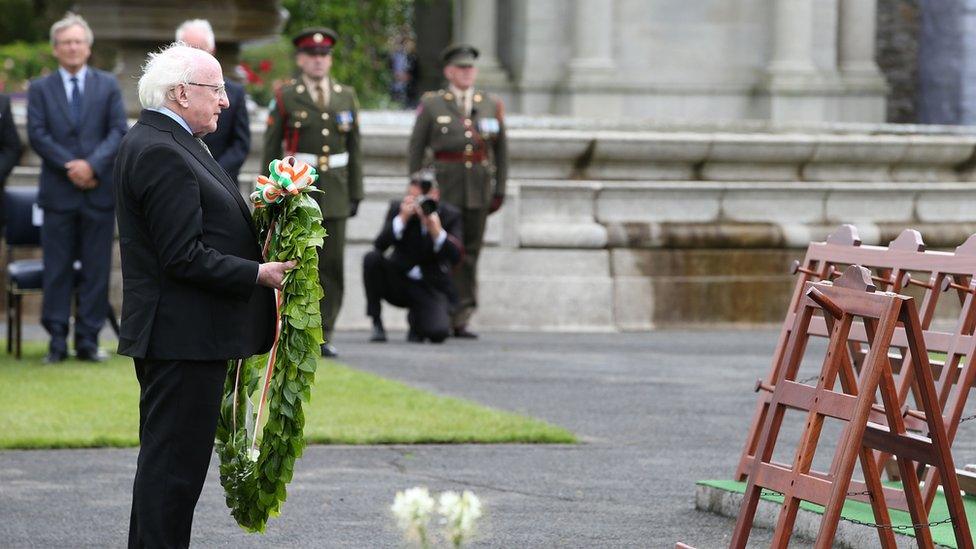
x=496 y=204
x=272 y=274
x=408 y=208
x=81 y=174
x=433 y=224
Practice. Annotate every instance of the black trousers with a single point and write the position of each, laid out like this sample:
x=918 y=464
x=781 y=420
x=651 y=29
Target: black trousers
x=429 y=308
x=85 y=235
x=179 y=403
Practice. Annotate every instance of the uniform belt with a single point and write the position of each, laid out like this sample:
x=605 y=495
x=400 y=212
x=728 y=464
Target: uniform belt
x=340 y=160
x=460 y=156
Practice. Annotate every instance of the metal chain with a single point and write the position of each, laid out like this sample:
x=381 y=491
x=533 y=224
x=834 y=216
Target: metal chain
x=898 y=526
x=766 y=492
x=967 y=418
x=904 y=527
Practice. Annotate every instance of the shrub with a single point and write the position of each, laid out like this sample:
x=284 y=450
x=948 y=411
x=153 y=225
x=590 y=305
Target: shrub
x=21 y=61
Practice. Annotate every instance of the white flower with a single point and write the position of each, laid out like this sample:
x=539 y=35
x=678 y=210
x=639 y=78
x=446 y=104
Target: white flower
x=253 y=454
x=460 y=512
x=412 y=509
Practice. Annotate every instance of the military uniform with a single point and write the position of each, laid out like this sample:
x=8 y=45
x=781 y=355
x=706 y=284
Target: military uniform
x=328 y=139
x=470 y=156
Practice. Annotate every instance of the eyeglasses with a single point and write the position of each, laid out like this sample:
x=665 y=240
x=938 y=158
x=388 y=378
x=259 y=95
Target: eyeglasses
x=220 y=89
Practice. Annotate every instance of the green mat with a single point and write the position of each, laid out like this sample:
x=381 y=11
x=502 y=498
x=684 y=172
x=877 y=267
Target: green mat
x=856 y=510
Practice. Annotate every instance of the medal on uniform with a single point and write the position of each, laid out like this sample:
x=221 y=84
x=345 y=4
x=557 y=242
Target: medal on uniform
x=344 y=120
x=488 y=126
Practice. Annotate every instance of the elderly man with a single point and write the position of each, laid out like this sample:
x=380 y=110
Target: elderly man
x=232 y=140
x=465 y=129
x=75 y=120
x=195 y=291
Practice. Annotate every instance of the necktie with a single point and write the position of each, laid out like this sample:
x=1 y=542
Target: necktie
x=320 y=96
x=75 y=101
x=204 y=145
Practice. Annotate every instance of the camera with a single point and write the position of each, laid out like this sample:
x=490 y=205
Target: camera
x=426 y=181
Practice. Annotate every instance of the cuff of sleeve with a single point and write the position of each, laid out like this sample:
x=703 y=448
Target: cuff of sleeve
x=398 y=228
x=441 y=239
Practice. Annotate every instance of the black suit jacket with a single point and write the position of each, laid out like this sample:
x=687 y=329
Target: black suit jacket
x=189 y=252
x=10 y=146
x=417 y=248
x=232 y=140
x=56 y=139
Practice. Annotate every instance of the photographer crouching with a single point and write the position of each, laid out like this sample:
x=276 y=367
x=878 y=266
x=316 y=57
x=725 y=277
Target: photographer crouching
x=425 y=235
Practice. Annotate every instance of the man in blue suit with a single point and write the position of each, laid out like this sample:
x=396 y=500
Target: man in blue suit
x=231 y=142
x=75 y=121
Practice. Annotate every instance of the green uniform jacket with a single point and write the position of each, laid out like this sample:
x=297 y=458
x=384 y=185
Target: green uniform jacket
x=297 y=125
x=442 y=128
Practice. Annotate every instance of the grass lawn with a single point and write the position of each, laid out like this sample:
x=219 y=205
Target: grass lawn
x=80 y=405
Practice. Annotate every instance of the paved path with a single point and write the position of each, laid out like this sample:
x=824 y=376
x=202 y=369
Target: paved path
x=656 y=412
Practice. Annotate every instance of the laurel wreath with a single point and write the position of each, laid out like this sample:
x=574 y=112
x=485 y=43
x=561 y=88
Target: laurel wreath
x=257 y=464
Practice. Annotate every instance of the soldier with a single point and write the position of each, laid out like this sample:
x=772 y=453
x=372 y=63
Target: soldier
x=316 y=119
x=465 y=130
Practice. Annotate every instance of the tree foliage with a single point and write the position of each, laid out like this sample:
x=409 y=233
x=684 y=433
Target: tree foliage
x=29 y=20
x=365 y=28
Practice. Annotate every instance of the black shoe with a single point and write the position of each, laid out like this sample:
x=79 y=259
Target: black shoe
x=328 y=351
x=414 y=337
x=379 y=334
x=92 y=355
x=461 y=332
x=54 y=357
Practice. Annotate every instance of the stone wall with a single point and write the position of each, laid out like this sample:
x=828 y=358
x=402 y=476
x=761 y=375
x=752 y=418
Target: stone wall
x=628 y=226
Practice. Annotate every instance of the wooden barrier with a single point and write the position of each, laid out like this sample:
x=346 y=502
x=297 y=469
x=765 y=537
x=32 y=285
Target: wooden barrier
x=897 y=267
x=853 y=298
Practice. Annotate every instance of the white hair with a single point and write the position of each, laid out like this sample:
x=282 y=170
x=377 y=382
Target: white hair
x=71 y=19
x=199 y=24
x=173 y=65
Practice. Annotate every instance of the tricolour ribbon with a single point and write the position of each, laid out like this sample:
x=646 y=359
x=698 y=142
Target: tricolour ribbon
x=287 y=176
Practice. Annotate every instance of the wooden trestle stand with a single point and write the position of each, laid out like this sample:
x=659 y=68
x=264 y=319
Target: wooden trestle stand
x=894 y=265
x=852 y=300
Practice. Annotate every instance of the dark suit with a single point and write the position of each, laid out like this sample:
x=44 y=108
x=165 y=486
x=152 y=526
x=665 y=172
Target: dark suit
x=430 y=299
x=190 y=303
x=77 y=223
x=232 y=140
x=10 y=146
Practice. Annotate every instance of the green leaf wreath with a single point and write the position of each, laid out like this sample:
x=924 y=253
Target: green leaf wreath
x=256 y=464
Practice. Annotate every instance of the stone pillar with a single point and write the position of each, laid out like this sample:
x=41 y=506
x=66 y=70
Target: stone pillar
x=591 y=73
x=592 y=39
x=479 y=21
x=792 y=38
x=792 y=76
x=865 y=87
x=856 y=40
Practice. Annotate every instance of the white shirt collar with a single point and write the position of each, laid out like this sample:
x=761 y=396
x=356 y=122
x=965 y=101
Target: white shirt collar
x=179 y=119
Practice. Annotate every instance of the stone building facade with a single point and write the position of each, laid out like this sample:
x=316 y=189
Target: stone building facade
x=778 y=60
